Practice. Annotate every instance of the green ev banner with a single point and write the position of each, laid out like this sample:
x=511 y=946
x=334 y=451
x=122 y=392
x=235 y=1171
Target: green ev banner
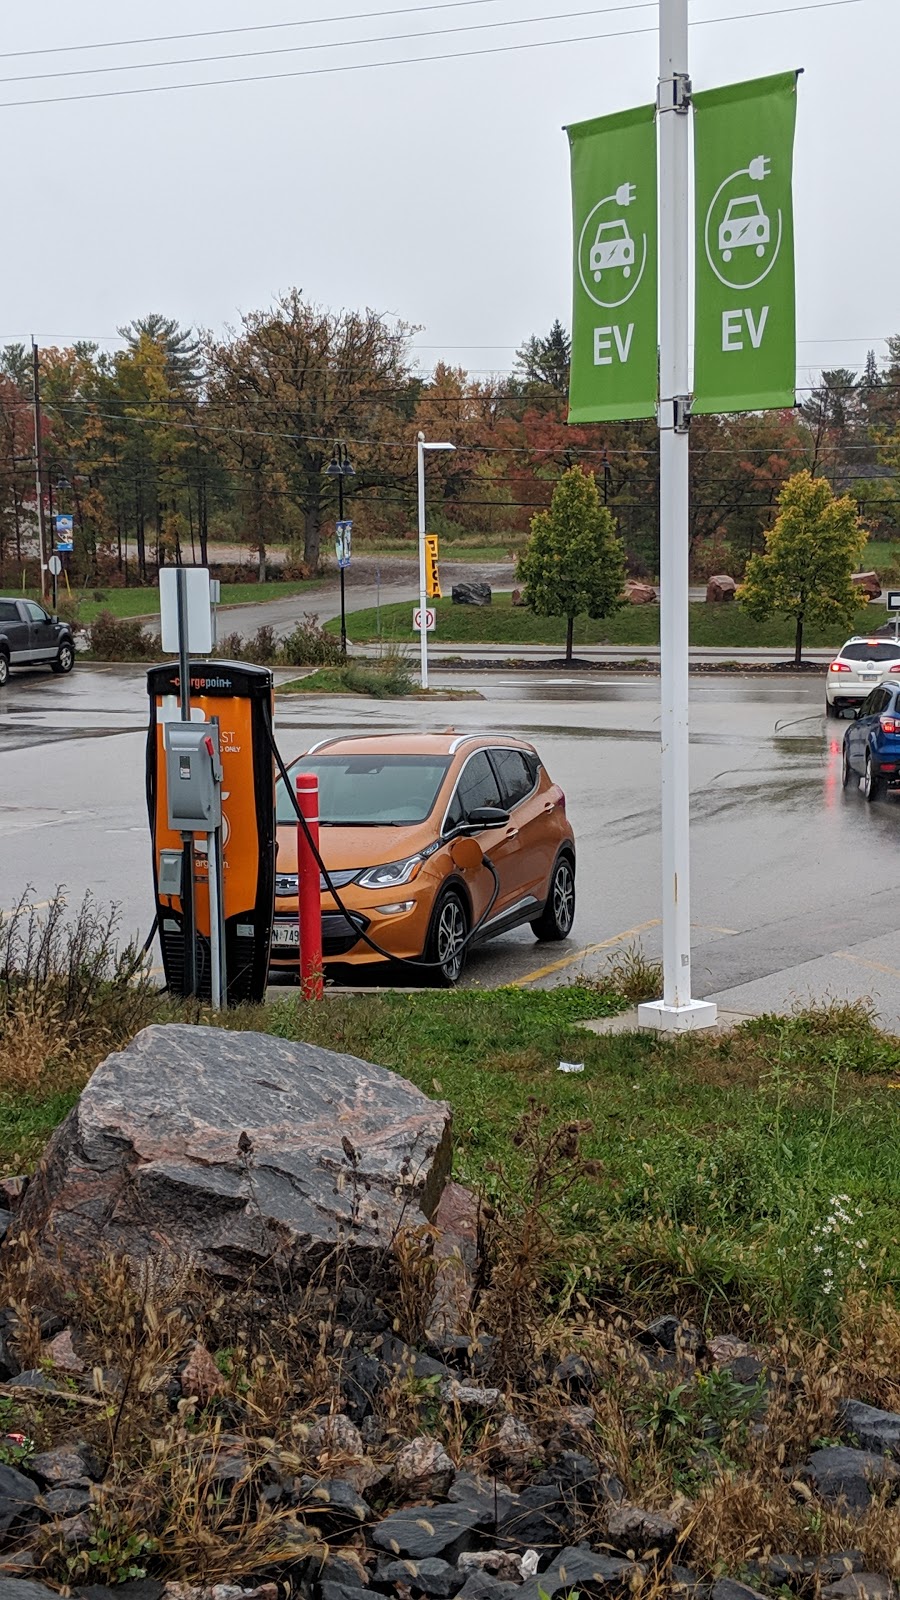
x=745 y=352
x=614 y=310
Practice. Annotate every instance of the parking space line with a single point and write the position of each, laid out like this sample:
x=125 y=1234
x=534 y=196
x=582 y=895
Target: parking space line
x=876 y=966
x=589 y=950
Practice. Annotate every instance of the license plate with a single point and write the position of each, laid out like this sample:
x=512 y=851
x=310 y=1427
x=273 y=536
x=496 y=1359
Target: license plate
x=285 y=933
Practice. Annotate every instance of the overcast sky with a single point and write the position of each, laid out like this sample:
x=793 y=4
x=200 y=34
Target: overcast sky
x=437 y=192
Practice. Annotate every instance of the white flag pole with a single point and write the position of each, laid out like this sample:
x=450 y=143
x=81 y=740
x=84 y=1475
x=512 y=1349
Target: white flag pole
x=677 y=1010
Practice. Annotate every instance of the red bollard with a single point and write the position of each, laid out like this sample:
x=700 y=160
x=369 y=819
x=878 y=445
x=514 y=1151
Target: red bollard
x=309 y=894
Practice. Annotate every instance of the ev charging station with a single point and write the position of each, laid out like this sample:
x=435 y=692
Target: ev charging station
x=211 y=805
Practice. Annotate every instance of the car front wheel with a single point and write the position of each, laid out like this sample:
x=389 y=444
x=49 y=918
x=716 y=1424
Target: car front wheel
x=4 y=668
x=555 y=921
x=846 y=769
x=65 y=660
x=873 y=786
x=447 y=948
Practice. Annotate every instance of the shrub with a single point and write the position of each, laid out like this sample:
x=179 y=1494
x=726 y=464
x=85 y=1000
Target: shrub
x=309 y=645
x=120 y=639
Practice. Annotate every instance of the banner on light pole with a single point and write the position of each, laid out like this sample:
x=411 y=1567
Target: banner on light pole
x=745 y=313
x=614 y=309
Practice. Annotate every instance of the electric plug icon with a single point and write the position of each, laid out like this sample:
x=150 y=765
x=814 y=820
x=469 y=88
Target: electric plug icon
x=759 y=168
x=625 y=194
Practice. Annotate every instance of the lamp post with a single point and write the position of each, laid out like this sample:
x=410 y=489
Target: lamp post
x=340 y=468
x=421 y=447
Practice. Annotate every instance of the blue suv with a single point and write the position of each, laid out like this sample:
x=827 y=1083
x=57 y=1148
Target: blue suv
x=872 y=742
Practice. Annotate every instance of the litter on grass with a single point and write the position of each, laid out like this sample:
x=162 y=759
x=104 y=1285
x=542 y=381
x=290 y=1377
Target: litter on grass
x=570 y=1066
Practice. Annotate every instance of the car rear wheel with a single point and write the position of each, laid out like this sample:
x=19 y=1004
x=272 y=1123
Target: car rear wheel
x=4 y=668
x=846 y=769
x=555 y=921
x=831 y=710
x=873 y=786
x=65 y=660
x=447 y=949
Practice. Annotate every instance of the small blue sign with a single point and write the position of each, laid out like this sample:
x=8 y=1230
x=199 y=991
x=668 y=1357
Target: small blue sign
x=65 y=546
x=65 y=525
x=342 y=542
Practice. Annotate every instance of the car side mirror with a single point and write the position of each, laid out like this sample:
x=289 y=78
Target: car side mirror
x=487 y=817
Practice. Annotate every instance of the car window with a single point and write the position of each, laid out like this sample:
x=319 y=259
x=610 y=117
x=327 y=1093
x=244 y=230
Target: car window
x=871 y=650
x=477 y=787
x=515 y=777
x=36 y=612
x=9 y=611
x=874 y=703
x=359 y=791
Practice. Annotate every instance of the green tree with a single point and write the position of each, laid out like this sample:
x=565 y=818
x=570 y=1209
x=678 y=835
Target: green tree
x=573 y=563
x=545 y=362
x=811 y=554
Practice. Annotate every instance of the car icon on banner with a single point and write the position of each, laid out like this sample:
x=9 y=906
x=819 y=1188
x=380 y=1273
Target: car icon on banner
x=613 y=247
x=745 y=225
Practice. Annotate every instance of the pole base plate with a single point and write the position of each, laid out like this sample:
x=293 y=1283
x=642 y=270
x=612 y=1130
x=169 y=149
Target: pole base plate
x=677 y=1019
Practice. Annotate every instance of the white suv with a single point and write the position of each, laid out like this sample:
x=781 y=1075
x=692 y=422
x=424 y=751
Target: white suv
x=859 y=666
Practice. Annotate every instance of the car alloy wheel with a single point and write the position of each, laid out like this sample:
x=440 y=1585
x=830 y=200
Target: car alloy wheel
x=4 y=669
x=449 y=940
x=872 y=784
x=555 y=921
x=846 y=769
x=65 y=661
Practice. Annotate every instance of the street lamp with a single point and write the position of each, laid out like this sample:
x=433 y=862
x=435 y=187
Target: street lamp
x=421 y=447
x=340 y=468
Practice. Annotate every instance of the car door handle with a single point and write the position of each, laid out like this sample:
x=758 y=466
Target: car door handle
x=511 y=833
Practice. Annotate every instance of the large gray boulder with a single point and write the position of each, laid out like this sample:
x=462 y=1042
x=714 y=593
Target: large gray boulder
x=471 y=594
x=237 y=1150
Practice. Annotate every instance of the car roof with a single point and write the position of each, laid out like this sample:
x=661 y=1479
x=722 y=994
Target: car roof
x=867 y=638
x=447 y=743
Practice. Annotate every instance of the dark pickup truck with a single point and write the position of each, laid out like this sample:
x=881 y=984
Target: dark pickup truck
x=30 y=637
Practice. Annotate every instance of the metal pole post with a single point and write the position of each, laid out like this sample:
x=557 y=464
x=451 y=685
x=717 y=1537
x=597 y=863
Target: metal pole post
x=340 y=519
x=39 y=467
x=423 y=596
x=187 y=839
x=677 y=1010
x=309 y=893
x=215 y=954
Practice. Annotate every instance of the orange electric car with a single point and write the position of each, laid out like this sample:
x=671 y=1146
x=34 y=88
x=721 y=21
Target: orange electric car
x=397 y=814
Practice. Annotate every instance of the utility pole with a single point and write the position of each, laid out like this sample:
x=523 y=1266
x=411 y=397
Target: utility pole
x=39 y=467
x=677 y=1011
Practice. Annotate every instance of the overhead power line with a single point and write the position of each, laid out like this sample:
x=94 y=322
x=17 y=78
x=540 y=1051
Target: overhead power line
x=407 y=61
x=328 y=44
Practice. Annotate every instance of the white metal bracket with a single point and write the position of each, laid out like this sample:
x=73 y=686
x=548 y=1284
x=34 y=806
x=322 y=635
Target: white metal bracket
x=674 y=416
x=674 y=94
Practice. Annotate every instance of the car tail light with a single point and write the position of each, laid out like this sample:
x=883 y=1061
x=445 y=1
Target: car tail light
x=839 y=666
x=890 y=724
x=895 y=668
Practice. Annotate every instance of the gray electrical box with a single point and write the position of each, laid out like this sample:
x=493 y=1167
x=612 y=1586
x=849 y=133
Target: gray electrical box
x=193 y=776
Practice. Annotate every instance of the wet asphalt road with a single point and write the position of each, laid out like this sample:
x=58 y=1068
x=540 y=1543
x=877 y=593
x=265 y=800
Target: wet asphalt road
x=795 y=882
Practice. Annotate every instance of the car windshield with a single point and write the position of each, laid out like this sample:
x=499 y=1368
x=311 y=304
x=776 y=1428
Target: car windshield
x=863 y=650
x=369 y=791
x=617 y=229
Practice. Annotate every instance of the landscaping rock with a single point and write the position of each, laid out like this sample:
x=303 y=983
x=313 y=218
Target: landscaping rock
x=469 y=1394
x=725 y=1347
x=148 y=1164
x=830 y=1568
x=840 y=1474
x=502 y=1564
x=490 y=1497
x=18 y=1501
x=640 y=594
x=471 y=594
x=200 y=1378
x=425 y=1531
x=870 y=1428
x=334 y=1497
x=55 y=1469
x=5 y=1220
x=402 y=1360
x=514 y=1443
x=540 y=1520
x=34 y=1381
x=25 y=1589
x=12 y=1191
x=484 y=1586
x=62 y=1355
x=9 y=1362
x=861 y=1586
x=66 y=1502
x=670 y=1333
x=575 y=1374
x=330 y=1590
x=132 y=1589
x=423 y=1469
x=517 y=598
x=362 y=1377
x=577 y=1569
x=746 y=1369
x=728 y=1589
x=335 y=1435
x=638 y=1532
x=432 y=1577
x=721 y=588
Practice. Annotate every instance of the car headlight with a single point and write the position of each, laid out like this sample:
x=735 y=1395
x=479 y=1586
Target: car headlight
x=390 y=873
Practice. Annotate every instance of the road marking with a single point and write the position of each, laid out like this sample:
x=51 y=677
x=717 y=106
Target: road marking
x=37 y=905
x=710 y=927
x=589 y=950
x=876 y=966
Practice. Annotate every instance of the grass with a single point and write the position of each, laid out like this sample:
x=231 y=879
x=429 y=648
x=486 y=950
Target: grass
x=83 y=606
x=475 y=548
x=722 y=626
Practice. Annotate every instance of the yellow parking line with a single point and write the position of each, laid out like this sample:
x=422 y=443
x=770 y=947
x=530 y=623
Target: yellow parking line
x=589 y=950
x=876 y=966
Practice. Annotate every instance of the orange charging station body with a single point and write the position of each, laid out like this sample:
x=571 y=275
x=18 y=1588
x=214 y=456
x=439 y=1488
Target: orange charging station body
x=238 y=698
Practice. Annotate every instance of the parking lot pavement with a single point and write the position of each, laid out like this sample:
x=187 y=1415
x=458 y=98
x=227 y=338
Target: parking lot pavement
x=795 y=882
